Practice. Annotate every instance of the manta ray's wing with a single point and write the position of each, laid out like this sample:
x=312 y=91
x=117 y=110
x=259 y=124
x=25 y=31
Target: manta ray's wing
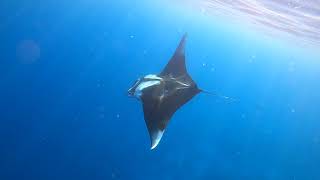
x=156 y=119
x=158 y=112
x=176 y=67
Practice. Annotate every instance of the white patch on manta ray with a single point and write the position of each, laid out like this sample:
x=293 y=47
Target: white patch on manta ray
x=143 y=85
x=156 y=137
x=152 y=76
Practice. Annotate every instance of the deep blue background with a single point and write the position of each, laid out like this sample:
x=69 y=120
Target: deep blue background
x=66 y=115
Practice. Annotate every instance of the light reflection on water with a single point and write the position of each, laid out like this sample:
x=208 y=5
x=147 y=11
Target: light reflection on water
x=300 y=18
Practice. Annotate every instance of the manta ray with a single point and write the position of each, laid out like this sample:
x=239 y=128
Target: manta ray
x=163 y=94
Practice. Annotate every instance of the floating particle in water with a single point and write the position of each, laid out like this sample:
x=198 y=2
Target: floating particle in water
x=102 y=116
x=100 y=84
x=204 y=56
x=113 y=175
x=145 y=52
x=293 y=110
x=203 y=11
x=118 y=116
x=292 y=63
x=292 y=66
x=268 y=131
x=132 y=36
x=28 y=51
x=291 y=69
x=101 y=108
x=204 y=64
x=44 y=139
x=252 y=59
x=237 y=153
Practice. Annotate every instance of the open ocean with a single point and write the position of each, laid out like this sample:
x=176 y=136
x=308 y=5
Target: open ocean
x=66 y=66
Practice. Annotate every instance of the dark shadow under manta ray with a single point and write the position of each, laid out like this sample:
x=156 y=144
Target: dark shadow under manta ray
x=163 y=94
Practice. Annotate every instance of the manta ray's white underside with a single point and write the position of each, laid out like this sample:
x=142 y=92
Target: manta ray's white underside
x=150 y=80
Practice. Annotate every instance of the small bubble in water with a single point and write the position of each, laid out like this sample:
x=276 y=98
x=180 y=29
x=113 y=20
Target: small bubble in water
x=118 y=116
x=132 y=36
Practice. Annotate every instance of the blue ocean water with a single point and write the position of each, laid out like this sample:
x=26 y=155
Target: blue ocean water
x=64 y=112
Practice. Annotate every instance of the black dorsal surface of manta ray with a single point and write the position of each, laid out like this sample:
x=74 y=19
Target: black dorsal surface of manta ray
x=163 y=94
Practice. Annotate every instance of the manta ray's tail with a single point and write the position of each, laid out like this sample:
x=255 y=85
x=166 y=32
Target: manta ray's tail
x=217 y=95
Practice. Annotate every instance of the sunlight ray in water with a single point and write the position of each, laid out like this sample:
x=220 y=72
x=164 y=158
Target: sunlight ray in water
x=294 y=17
